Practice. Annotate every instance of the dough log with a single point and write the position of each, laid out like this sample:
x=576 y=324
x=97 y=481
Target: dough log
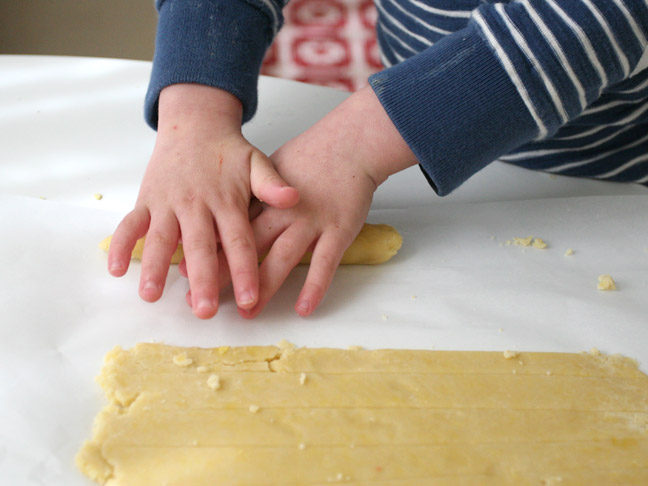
x=376 y=243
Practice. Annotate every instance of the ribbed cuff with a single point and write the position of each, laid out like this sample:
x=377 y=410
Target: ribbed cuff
x=218 y=43
x=456 y=108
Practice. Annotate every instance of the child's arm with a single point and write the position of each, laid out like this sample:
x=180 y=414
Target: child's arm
x=198 y=186
x=336 y=165
x=512 y=77
x=199 y=180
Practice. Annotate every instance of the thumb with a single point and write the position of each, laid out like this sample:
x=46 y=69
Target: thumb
x=268 y=186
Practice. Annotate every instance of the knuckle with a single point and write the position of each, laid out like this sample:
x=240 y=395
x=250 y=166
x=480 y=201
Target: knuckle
x=343 y=232
x=314 y=288
x=153 y=269
x=285 y=253
x=230 y=201
x=240 y=243
x=160 y=238
x=119 y=246
x=270 y=178
x=188 y=198
x=201 y=246
x=202 y=281
x=244 y=274
x=328 y=262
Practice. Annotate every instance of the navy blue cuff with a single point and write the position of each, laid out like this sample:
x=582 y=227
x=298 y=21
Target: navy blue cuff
x=218 y=43
x=456 y=108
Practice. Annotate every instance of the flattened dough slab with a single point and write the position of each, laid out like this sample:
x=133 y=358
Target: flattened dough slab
x=312 y=417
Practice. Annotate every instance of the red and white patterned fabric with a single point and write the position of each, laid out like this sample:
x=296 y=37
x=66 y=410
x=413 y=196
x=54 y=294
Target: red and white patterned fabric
x=326 y=42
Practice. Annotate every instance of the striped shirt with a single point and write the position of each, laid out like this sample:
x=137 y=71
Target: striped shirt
x=578 y=67
x=553 y=85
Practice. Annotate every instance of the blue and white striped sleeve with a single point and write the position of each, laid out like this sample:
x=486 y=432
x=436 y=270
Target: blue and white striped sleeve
x=517 y=72
x=219 y=43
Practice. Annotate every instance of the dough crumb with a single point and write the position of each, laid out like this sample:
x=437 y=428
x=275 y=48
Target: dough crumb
x=548 y=372
x=182 y=360
x=285 y=344
x=539 y=243
x=254 y=408
x=518 y=241
x=42 y=198
x=535 y=242
x=384 y=317
x=552 y=481
x=223 y=349
x=302 y=378
x=302 y=446
x=355 y=348
x=98 y=196
x=595 y=351
x=201 y=369
x=569 y=252
x=213 y=382
x=500 y=330
x=508 y=354
x=413 y=297
x=606 y=282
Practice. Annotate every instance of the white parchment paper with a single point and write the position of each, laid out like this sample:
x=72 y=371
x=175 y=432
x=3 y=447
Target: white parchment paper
x=454 y=285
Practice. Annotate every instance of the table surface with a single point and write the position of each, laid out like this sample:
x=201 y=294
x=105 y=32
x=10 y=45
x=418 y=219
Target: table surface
x=73 y=127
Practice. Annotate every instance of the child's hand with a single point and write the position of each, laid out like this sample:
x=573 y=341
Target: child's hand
x=336 y=165
x=197 y=187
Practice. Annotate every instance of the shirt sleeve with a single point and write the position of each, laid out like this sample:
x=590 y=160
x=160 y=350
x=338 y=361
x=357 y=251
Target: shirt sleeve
x=218 y=43
x=516 y=73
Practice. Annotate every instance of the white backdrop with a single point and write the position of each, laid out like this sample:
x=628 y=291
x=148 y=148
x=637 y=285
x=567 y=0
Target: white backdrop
x=73 y=127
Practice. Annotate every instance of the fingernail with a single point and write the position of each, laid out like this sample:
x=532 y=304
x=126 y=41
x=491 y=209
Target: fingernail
x=303 y=307
x=245 y=298
x=115 y=267
x=150 y=285
x=204 y=304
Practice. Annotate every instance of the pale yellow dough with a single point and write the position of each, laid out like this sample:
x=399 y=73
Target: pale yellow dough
x=376 y=243
x=528 y=241
x=362 y=417
x=606 y=282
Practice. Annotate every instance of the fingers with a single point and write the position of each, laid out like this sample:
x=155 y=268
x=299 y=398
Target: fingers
x=266 y=230
x=239 y=248
x=285 y=254
x=325 y=261
x=267 y=184
x=161 y=242
x=133 y=227
x=182 y=268
x=201 y=262
x=223 y=276
x=255 y=209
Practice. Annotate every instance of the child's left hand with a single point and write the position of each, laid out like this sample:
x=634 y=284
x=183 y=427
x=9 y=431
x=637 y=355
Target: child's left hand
x=336 y=166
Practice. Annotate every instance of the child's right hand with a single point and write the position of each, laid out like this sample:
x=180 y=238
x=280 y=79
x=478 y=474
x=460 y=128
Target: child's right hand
x=197 y=188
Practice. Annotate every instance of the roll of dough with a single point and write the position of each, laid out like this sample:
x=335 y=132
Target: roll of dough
x=376 y=243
